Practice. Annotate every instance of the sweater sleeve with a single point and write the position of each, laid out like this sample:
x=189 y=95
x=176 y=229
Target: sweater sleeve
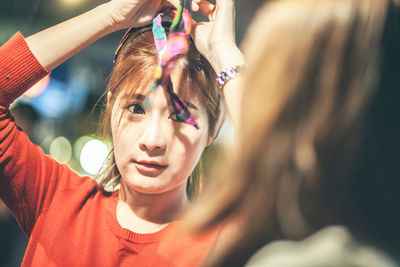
x=28 y=177
x=19 y=69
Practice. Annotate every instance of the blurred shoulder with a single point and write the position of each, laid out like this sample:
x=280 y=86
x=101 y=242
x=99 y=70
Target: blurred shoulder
x=332 y=246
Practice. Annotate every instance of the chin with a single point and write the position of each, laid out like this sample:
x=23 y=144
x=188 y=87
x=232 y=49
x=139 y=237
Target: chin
x=151 y=185
x=146 y=187
x=148 y=190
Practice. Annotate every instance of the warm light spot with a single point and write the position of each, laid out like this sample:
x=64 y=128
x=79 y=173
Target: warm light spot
x=38 y=88
x=79 y=144
x=60 y=149
x=93 y=156
x=72 y=3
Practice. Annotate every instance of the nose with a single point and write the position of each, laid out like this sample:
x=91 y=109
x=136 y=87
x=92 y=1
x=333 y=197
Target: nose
x=152 y=138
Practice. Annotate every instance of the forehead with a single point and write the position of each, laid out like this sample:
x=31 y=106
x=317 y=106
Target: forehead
x=183 y=86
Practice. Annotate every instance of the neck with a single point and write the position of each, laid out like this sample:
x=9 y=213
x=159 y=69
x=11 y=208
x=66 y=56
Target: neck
x=145 y=213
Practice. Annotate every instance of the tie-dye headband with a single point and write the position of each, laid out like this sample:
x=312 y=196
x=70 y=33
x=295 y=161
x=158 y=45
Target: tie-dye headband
x=170 y=48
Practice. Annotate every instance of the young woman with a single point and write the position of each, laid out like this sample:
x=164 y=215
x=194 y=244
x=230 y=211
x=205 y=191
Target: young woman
x=318 y=139
x=71 y=220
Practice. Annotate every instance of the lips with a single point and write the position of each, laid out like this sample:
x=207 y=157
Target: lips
x=151 y=164
x=150 y=168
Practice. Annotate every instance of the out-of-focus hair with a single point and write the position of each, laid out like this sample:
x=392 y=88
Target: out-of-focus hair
x=319 y=140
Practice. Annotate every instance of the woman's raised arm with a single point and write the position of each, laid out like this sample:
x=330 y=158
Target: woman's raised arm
x=58 y=43
x=216 y=41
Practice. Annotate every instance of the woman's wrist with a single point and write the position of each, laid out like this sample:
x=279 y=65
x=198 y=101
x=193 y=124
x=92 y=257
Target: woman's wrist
x=120 y=16
x=56 y=44
x=108 y=14
x=225 y=57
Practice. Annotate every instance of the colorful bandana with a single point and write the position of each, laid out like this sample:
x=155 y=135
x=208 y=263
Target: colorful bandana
x=170 y=49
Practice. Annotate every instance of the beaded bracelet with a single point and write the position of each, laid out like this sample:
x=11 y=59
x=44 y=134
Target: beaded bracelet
x=229 y=74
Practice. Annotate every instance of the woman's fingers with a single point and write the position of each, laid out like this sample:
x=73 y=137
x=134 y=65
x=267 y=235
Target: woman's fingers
x=206 y=8
x=195 y=6
x=202 y=6
x=195 y=26
x=167 y=5
x=174 y=3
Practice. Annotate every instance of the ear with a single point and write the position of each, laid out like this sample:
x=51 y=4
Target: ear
x=210 y=140
x=218 y=127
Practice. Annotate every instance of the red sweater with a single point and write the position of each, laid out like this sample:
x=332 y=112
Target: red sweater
x=68 y=220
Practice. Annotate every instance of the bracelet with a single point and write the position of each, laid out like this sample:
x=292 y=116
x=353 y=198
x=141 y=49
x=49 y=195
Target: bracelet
x=229 y=74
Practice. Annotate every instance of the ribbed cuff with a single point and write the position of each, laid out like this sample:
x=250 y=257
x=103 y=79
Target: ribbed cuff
x=19 y=69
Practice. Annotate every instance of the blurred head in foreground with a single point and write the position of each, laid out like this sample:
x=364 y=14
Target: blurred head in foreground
x=319 y=136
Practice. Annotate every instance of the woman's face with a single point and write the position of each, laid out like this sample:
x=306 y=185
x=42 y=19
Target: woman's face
x=154 y=153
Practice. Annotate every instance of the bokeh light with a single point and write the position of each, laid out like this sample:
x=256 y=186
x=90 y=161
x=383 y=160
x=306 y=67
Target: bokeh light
x=93 y=155
x=72 y=3
x=39 y=87
x=61 y=149
x=79 y=144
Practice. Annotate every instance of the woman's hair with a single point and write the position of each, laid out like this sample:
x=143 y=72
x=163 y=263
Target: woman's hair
x=319 y=140
x=133 y=73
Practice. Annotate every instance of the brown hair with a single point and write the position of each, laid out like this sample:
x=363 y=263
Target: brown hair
x=319 y=136
x=133 y=73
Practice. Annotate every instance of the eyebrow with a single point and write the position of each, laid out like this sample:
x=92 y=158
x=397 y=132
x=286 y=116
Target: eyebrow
x=190 y=105
x=137 y=97
x=142 y=97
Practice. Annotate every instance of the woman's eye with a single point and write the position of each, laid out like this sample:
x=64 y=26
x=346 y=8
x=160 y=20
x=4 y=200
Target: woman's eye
x=136 y=109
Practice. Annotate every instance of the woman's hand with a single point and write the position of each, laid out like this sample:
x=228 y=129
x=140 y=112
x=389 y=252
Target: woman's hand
x=215 y=39
x=133 y=13
x=51 y=49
